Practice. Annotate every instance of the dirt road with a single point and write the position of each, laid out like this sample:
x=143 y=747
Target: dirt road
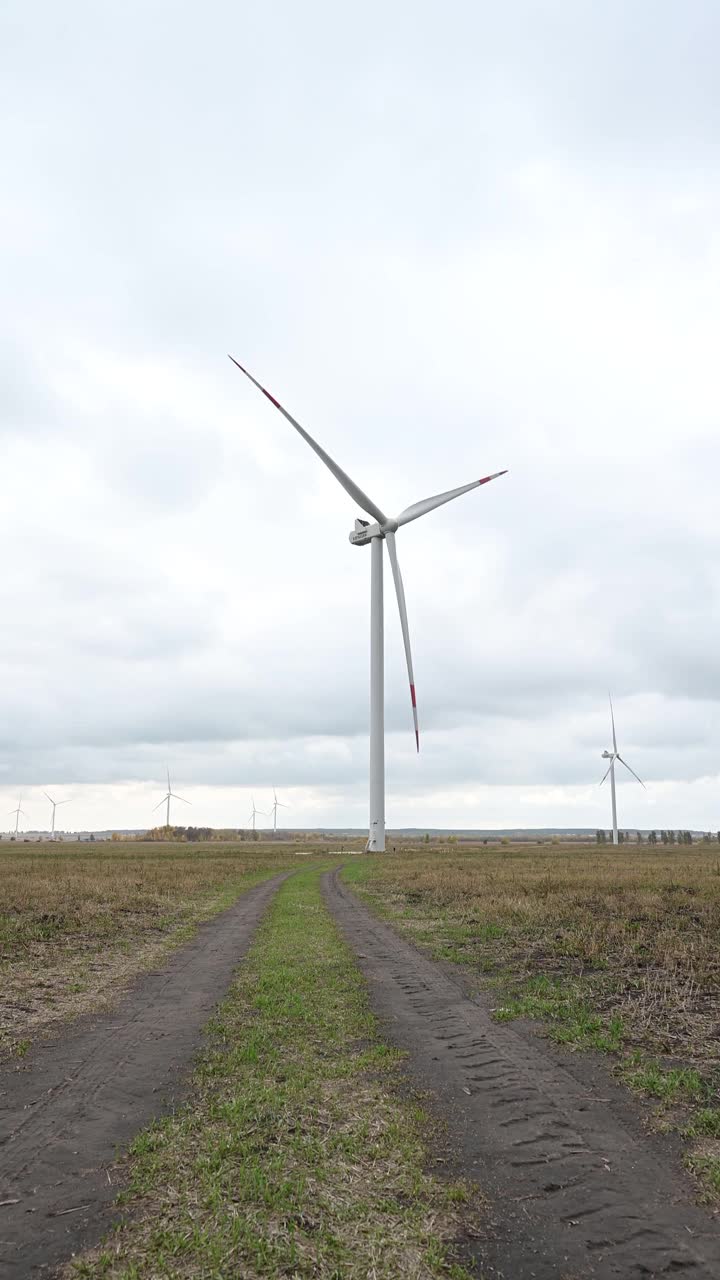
x=577 y=1188
x=75 y=1099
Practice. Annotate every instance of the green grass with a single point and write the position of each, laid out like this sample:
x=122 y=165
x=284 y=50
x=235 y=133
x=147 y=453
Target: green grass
x=707 y=1169
x=570 y=1018
x=704 y=1124
x=299 y=1154
x=667 y=1084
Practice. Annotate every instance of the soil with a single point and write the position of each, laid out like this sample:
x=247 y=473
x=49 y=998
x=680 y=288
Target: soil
x=74 y=1100
x=577 y=1186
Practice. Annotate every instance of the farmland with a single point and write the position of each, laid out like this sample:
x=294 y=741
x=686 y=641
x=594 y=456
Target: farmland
x=440 y=1062
x=299 y=1155
x=77 y=922
x=613 y=950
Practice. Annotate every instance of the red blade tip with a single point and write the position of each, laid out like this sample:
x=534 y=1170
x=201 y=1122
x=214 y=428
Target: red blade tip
x=259 y=385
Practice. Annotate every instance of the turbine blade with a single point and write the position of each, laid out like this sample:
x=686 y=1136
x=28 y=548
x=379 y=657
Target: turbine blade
x=163 y=801
x=47 y=797
x=632 y=771
x=349 y=485
x=174 y=797
x=606 y=774
x=429 y=504
x=612 y=717
x=400 y=593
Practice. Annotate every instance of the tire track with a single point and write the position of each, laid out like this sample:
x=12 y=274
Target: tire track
x=578 y=1190
x=79 y=1097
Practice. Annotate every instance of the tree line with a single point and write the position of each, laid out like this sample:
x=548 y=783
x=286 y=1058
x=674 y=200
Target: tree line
x=192 y=834
x=657 y=837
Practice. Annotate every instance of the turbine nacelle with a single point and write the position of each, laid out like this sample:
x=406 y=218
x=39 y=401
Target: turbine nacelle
x=363 y=533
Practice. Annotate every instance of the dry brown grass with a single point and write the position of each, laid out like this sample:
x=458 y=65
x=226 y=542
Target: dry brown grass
x=77 y=921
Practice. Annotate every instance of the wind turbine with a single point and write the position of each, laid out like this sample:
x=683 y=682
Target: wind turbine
x=612 y=756
x=277 y=804
x=54 y=804
x=383 y=529
x=17 y=813
x=167 y=798
x=256 y=811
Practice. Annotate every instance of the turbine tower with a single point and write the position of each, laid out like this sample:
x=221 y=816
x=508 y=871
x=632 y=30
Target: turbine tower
x=612 y=756
x=17 y=813
x=277 y=804
x=167 y=798
x=382 y=530
x=256 y=811
x=54 y=804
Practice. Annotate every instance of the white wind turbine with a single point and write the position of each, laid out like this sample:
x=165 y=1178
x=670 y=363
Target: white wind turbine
x=382 y=530
x=167 y=798
x=276 y=804
x=612 y=756
x=17 y=813
x=255 y=811
x=54 y=804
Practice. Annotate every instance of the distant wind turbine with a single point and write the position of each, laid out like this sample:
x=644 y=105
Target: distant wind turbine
x=54 y=804
x=612 y=756
x=382 y=530
x=255 y=811
x=167 y=798
x=17 y=813
x=277 y=804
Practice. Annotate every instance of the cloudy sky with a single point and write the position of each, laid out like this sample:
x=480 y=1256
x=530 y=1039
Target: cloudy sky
x=451 y=238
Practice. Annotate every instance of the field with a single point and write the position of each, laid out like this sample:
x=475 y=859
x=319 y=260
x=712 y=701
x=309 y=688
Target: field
x=610 y=950
x=299 y=1155
x=516 y=1090
x=79 y=920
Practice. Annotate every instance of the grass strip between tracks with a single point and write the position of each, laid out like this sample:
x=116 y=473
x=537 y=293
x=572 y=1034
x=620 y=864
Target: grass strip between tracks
x=300 y=1154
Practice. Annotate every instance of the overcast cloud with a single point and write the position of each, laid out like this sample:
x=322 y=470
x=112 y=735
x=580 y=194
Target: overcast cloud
x=451 y=238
